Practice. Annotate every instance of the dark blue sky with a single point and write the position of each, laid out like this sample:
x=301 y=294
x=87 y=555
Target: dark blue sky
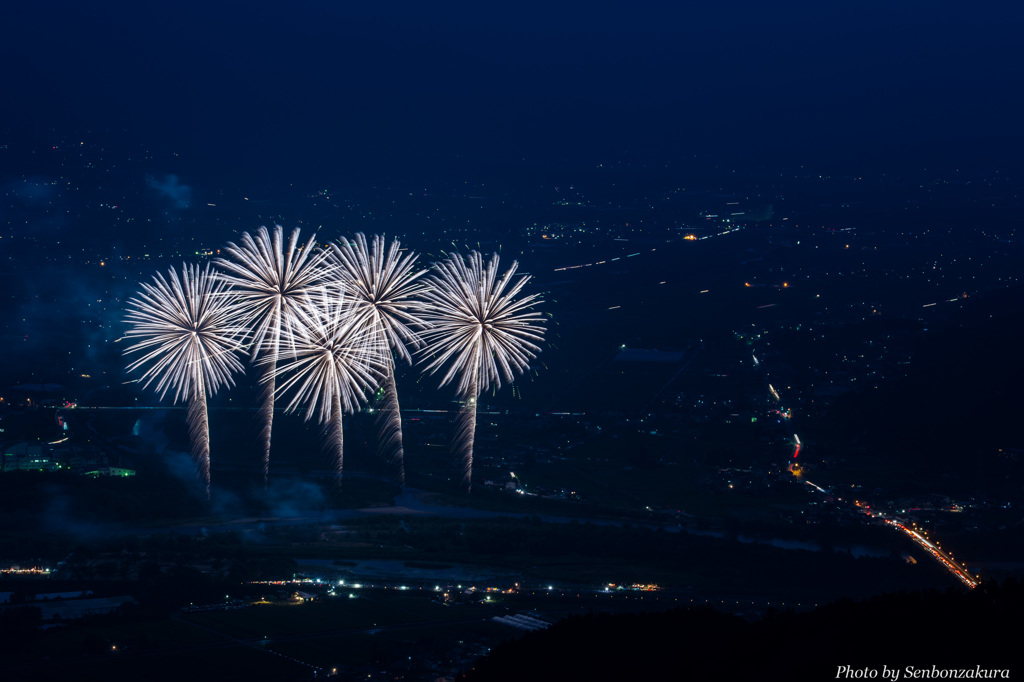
x=317 y=84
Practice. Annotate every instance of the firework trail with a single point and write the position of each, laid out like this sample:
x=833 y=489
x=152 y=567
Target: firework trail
x=385 y=293
x=388 y=423
x=271 y=282
x=188 y=337
x=331 y=363
x=480 y=332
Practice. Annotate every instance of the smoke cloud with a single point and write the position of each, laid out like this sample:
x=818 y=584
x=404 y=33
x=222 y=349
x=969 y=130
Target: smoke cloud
x=171 y=189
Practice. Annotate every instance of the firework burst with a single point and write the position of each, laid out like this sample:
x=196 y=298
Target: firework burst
x=480 y=332
x=332 y=362
x=188 y=339
x=384 y=289
x=272 y=280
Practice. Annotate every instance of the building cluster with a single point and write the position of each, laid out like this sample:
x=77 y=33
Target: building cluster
x=24 y=456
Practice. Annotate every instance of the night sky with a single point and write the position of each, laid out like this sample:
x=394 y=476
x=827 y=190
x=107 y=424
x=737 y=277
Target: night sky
x=707 y=197
x=297 y=90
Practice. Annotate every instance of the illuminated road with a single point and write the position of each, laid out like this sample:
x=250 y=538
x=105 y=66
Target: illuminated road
x=936 y=552
x=951 y=565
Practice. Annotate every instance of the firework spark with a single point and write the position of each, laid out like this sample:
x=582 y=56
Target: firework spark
x=385 y=293
x=332 y=362
x=272 y=281
x=188 y=341
x=480 y=332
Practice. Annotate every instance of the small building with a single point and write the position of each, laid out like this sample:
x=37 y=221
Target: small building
x=110 y=471
x=25 y=457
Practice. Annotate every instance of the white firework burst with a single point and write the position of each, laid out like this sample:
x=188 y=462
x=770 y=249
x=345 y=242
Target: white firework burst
x=272 y=280
x=188 y=339
x=384 y=287
x=481 y=332
x=333 y=361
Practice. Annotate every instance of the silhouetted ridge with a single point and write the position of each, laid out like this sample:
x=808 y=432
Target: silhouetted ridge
x=954 y=630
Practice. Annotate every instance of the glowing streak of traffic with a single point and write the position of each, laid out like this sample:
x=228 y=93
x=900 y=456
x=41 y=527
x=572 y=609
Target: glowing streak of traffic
x=942 y=557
